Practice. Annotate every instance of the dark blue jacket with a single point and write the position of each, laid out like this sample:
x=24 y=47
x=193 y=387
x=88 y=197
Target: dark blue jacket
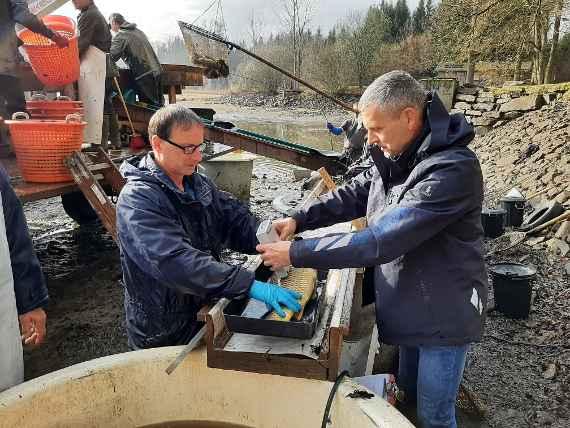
x=170 y=243
x=424 y=235
x=29 y=285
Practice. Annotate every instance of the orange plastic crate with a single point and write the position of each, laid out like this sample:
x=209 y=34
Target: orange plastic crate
x=52 y=65
x=41 y=146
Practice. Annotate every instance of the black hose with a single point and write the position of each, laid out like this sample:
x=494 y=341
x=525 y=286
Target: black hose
x=337 y=383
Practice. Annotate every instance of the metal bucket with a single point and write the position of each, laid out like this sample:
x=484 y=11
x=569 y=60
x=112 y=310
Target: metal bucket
x=493 y=221
x=512 y=285
x=514 y=208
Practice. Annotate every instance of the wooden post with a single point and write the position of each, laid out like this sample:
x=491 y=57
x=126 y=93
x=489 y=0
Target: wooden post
x=171 y=94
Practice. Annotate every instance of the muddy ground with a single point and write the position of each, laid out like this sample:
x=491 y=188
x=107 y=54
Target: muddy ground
x=510 y=373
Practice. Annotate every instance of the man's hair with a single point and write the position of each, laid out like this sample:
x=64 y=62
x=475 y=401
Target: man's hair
x=118 y=18
x=172 y=116
x=394 y=91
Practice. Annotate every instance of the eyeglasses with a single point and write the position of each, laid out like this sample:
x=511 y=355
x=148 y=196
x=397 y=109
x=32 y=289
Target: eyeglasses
x=188 y=150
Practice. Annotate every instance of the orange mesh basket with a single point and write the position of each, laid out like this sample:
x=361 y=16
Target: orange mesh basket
x=53 y=66
x=41 y=146
x=40 y=107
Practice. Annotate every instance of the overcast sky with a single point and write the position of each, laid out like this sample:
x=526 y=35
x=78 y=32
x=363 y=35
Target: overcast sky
x=158 y=18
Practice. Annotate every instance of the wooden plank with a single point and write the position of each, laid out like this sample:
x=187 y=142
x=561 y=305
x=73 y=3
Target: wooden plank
x=111 y=174
x=93 y=191
x=357 y=224
x=216 y=319
x=171 y=94
x=305 y=368
x=28 y=192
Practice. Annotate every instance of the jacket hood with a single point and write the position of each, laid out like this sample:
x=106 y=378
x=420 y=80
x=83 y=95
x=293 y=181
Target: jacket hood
x=446 y=130
x=145 y=169
x=128 y=26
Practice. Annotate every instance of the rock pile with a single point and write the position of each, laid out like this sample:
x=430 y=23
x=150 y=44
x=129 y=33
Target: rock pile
x=309 y=102
x=520 y=370
x=531 y=153
x=487 y=108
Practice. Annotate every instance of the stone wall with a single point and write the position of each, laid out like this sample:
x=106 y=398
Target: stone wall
x=488 y=108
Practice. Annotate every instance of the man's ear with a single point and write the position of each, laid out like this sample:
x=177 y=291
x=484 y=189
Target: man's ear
x=412 y=117
x=155 y=143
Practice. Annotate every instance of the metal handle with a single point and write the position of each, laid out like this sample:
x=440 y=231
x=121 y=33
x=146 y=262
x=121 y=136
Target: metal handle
x=20 y=115
x=63 y=98
x=73 y=117
x=186 y=350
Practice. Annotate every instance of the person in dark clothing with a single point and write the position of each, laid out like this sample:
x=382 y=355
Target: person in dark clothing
x=132 y=46
x=423 y=201
x=14 y=12
x=355 y=152
x=23 y=292
x=93 y=28
x=172 y=224
x=94 y=31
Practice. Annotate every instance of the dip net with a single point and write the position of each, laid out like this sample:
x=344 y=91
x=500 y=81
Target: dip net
x=207 y=49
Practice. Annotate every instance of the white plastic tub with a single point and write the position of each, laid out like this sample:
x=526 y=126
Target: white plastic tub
x=132 y=390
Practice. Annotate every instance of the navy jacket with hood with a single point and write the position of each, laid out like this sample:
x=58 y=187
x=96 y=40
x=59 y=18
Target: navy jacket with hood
x=170 y=243
x=424 y=235
x=29 y=284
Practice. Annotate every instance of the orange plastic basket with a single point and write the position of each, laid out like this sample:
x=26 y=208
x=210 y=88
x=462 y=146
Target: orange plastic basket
x=52 y=65
x=40 y=107
x=41 y=146
x=53 y=114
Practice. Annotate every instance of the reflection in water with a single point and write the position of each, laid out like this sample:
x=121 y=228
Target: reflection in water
x=308 y=134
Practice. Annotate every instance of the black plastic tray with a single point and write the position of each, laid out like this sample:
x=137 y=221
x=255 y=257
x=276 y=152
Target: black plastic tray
x=302 y=329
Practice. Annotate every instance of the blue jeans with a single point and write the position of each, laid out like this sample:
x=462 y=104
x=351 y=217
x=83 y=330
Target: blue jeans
x=430 y=376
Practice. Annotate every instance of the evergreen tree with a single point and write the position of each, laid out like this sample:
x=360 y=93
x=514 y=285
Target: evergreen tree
x=388 y=12
x=402 y=19
x=419 y=20
x=429 y=13
x=331 y=39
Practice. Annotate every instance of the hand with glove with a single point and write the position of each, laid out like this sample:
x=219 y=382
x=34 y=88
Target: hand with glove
x=59 y=40
x=333 y=129
x=274 y=296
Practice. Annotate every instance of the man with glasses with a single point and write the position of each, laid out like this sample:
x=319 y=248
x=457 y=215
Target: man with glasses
x=172 y=224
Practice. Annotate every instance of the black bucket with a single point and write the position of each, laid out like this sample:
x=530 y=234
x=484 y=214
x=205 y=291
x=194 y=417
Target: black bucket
x=512 y=284
x=493 y=222
x=514 y=208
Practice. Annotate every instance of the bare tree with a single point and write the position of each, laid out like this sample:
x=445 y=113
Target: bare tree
x=554 y=42
x=361 y=40
x=296 y=16
x=254 y=28
x=506 y=30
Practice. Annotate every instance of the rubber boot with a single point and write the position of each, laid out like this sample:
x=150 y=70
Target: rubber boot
x=114 y=134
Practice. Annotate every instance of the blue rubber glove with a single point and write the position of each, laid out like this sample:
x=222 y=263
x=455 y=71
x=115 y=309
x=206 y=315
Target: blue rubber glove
x=274 y=296
x=333 y=129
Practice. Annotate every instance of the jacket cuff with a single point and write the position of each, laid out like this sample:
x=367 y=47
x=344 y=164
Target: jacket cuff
x=240 y=285
x=31 y=306
x=300 y=218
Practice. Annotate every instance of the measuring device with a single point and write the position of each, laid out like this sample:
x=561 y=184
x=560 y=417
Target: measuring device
x=266 y=234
